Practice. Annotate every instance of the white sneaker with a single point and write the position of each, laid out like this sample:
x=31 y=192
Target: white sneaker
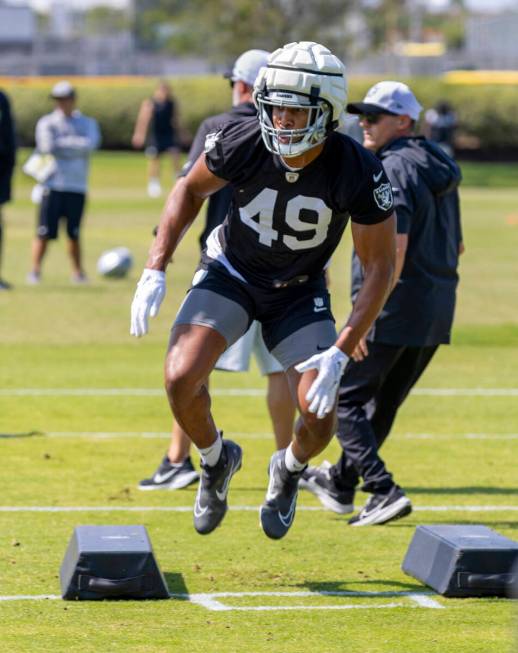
x=79 y=279
x=154 y=189
x=33 y=278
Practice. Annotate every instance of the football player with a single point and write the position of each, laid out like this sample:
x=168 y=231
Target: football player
x=176 y=469
x=295 y=183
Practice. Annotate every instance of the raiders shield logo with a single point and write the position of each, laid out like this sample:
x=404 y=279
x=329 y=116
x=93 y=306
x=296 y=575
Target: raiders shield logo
x=383 y=196
x=211 y=140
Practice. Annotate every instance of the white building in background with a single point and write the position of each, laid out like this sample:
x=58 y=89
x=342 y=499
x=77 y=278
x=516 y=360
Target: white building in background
x=61 y=21
x=62 y=47
x=492 y=42
x=18 y=30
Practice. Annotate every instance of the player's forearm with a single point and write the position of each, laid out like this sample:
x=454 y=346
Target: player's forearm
x=373 y=293
x=182 y=207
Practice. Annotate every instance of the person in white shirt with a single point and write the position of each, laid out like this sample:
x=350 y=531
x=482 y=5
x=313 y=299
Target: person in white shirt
x=69 y=137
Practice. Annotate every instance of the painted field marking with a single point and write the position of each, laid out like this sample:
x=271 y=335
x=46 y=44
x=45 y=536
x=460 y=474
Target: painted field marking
x=455 y=436
x=211 y=601
x=232 y=392
x=151 y=435
x=455 y=508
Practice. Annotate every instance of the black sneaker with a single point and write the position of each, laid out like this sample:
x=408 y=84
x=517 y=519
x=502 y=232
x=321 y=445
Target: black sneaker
x=319 y=481
x=382 y=508
x=278 y=510
x=171 y=476
x=211 y=500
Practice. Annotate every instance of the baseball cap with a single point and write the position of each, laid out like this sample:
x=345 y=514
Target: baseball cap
x=388 y=97
x=62 y=90
x=247 y=66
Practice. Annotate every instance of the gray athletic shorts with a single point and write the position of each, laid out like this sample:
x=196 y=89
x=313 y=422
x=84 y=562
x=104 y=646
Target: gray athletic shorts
x=296 y=321
x=237 y=357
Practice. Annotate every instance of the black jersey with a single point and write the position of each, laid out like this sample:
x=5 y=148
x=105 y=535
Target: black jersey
x=219 y=203
x=162 y=126
x=283 y=226
x=420 y=309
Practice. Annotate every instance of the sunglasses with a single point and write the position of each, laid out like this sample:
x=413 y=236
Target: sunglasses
x=372 y=118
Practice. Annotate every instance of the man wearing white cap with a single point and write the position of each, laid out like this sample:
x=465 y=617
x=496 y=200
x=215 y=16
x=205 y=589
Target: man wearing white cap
x=176 y=469
x=417 y=317
x=296 y=182
x=68 y=137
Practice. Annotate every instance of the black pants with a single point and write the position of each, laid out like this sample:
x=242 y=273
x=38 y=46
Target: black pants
x=369 y=397
x=1 y=234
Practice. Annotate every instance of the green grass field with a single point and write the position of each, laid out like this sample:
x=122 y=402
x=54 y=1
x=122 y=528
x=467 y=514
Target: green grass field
x=67 y=443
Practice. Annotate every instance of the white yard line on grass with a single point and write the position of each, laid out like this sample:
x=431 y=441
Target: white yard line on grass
x=212 y=601
x=113 y=435
x=455 y=508
x=232 y=392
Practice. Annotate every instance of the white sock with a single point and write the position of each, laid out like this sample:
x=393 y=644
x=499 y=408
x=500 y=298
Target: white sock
x=210 y=455
x=292 y=464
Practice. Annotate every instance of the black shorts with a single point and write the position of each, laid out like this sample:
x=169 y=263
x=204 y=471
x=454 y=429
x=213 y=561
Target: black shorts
x=296 y=321
x=159 y=144
x=58 y=204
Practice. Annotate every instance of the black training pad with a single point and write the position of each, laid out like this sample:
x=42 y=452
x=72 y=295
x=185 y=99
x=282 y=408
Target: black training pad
x=462 y=560
x=111 y=562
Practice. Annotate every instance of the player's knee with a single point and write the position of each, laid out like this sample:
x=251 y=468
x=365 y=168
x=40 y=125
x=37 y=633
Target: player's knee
x=182 y=382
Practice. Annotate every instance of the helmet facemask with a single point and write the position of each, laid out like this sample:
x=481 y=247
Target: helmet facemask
x=293 y=142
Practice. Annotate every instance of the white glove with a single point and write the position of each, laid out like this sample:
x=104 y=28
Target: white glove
x=322 y=393
x=37 y=193
x=148 y=297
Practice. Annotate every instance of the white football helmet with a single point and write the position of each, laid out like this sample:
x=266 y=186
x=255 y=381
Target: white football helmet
x=301 y=75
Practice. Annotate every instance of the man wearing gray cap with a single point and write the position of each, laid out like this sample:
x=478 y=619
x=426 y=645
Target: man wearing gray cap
x=176 y=470
x=68 y=137
x=417 y=317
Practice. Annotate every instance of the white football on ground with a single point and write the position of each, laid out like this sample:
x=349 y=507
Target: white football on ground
x=115 y=262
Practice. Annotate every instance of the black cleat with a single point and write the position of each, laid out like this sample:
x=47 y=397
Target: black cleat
x=211 y=500
x=278 y=510
x=382 y=508
x=171 y=476
x=319 y=481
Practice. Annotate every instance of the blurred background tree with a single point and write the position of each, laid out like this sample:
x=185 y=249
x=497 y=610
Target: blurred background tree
x=105 y=20
x=221 y=29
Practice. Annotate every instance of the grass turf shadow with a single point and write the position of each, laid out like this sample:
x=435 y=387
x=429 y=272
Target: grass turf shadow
x=342 y=585
x=26 y=434
x=176 y=585
x=470 y=489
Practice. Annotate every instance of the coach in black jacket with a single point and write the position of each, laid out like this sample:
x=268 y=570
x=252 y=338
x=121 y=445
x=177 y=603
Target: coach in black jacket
x=418 y=315
x=7 y=161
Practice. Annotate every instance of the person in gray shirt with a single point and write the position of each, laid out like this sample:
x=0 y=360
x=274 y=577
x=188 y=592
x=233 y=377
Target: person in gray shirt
x=68 y=137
